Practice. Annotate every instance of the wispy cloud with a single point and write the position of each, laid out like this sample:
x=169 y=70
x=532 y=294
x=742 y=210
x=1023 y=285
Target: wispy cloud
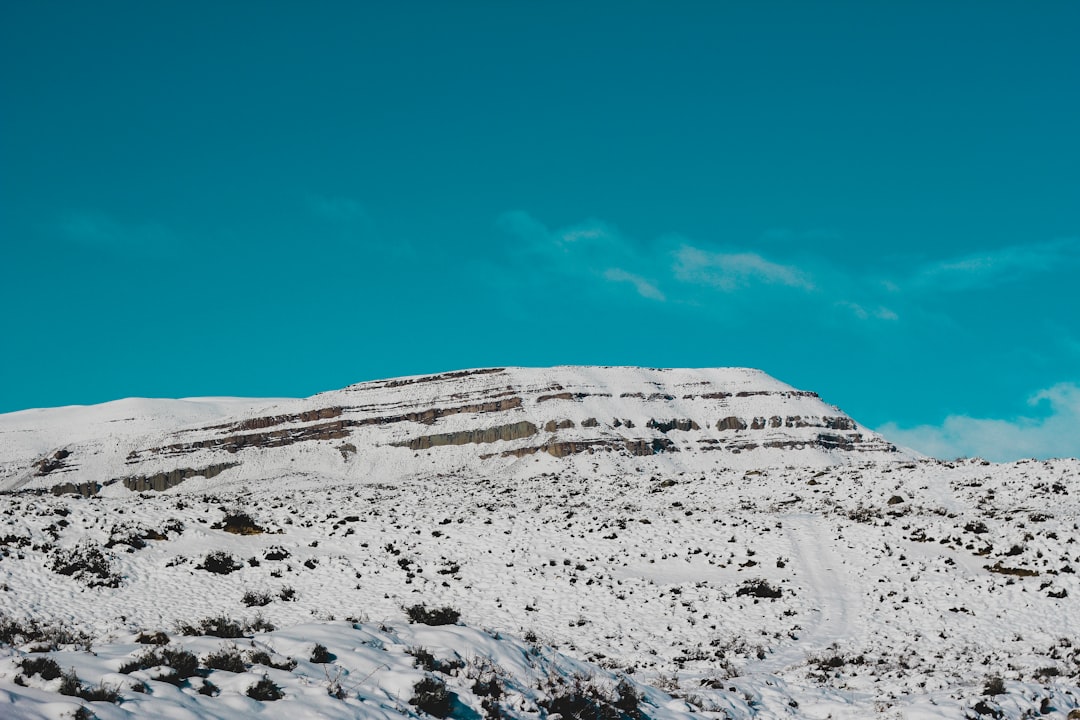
x=732 y=271
x=862 y=313
x=645 y=288
x=998 y=267
x=1002 y=440
x=589 y=249
x=101 y=232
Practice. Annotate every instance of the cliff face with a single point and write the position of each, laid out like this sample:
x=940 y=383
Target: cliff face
x=483 y=421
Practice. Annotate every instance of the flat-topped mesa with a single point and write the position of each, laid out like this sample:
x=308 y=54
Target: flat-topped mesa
x=483 y=421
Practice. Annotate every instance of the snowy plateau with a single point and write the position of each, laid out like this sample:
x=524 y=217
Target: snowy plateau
x=595 y=543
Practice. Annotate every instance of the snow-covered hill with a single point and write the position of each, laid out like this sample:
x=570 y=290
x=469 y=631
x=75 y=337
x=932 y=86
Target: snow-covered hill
x=804 y=577
x=487 y=421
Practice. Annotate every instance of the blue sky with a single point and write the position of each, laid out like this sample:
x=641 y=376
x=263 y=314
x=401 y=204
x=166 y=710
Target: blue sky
x=876 y=201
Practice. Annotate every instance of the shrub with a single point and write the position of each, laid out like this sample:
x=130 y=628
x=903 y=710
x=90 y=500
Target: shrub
x=429 y=662
x=183 y=663
x=488 y=688
x=583 y=700
x=227 y=658
x=261 y=657
x=99 y=693
x=431 y=696
x=994 y=686
x=208 y=688
x=628 y=699
x=758 y=587
x=84 y=562
x=256 y=599
x=220 y=562
x=220 y=626
x=239 y=523
x=20 y=632
x=265 y=690
x=438 y=616
x=44 y=667
x=287 y=594
x=260 y=624
x=69 y=683
x=275 y=552
x=321 y=655
x=158 y=638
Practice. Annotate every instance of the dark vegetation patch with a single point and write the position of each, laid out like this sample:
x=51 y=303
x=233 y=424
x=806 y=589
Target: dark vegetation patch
x=220 y=626
x=180 y=663
x=581 y=698
x=759 y=588
x=239 y=523
x=445 y=615
x=265 y=691
x=431 y=696
x=220 y=562
x=49 y=636
x=86 y=563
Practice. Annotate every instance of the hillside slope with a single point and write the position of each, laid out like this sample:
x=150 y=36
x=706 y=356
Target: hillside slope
x=487 y=421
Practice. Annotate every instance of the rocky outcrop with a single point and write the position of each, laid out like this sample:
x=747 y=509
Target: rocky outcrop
x=708 y=396
x=590 y=423
x=431 y=415
x=53 y=463
x=666 y=426
x=166 y=480
x=639 y=447
x=335 y=430
x=402 y=382
x=552 y=426
x=514 y=431
x=86 y=489
x=570 y=396
x=828 y=422
x=304 y=417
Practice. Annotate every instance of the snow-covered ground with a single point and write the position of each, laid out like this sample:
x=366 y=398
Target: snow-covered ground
x=826 y=582
x=890 y=600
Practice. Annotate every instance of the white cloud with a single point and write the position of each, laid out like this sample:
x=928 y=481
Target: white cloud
x=732 y=271
x=879 y=313
x=591 y=249
x=1000 y=266
x=645 y=288
x=1001 y=440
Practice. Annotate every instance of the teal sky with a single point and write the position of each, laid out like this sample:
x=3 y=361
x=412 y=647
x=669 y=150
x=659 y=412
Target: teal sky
x=876 y=201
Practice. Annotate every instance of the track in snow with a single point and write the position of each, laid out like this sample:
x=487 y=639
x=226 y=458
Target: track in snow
x=834 y=594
